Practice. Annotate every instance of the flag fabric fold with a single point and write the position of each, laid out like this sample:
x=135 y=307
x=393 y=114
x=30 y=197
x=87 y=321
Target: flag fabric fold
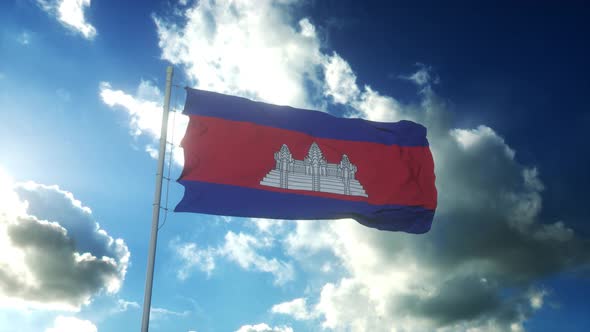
x=251 y=159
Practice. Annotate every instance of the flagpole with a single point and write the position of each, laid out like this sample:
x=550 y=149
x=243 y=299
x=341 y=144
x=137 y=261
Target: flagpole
x=149 y=278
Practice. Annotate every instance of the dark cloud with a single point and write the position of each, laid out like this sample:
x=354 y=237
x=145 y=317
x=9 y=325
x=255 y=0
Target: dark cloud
x=482 y=263
x=51 y=203
x=487 y=239
x=458 y=299
x=64 y=257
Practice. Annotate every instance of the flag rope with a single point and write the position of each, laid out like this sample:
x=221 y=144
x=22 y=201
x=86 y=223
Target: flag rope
x=170 y=158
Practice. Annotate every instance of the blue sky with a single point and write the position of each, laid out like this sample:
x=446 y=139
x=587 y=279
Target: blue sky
x=501 y=87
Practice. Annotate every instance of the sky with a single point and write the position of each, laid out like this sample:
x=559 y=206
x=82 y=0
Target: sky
x=501 y=87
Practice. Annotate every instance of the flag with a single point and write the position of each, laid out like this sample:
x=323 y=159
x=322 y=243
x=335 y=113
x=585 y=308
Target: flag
x=251 y=159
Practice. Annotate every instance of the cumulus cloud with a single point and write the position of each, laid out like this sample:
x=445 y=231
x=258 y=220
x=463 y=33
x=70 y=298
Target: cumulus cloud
x=144 y=110
x=237 y=47
x=244 y=48
x=55 y=255
x=70 y=13
x=71 y=324
x=487 y=238
x=479 y=266
x=263 y=327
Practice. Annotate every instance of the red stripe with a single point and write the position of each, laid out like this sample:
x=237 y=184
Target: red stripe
x=242 y=153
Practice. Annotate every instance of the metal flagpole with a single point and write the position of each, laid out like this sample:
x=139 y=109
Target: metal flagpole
x=149 y=278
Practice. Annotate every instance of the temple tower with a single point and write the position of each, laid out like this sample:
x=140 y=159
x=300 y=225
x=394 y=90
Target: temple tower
x=284 y=160
x=316 y=163
x=347 y=170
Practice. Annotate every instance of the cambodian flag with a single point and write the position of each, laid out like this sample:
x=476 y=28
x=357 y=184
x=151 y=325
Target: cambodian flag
x=252 y=159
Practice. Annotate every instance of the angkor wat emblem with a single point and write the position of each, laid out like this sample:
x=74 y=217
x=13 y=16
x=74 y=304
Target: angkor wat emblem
x=313 y=173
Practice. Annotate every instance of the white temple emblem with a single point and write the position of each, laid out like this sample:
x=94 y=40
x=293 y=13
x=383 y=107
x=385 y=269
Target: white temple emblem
x=313 y=173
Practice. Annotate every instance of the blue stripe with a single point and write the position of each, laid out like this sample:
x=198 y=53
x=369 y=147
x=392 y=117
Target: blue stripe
x=220 y=199
x=314 y=123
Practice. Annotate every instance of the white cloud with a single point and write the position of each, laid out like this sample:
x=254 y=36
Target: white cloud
x=536 y=298
x=237 y=47
x=371 y=105
x=123 y=305
x=145 y=115
x=263 y=327
x=422 y=77
x=470 y=138
x=161 y=313
x=242 y=249
x=299 y=243
x=244 y=48
x=225 y=219
x=145 y=109
x=336 y=305
x=296 y=308
x=340 y=80
x=71 y=324
x=269 y=226
x=54 y=255
x=191 y=257
x=70 y=13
